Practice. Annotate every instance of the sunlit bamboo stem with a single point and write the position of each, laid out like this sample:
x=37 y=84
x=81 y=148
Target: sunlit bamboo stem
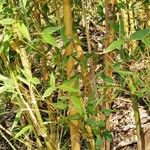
x=74 y=125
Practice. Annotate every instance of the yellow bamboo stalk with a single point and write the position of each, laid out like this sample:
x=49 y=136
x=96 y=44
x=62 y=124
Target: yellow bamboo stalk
x=131 y=26
x=74 y=125
x=109 y=14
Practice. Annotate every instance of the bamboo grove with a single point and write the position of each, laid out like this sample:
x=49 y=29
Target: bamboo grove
x=56 y=85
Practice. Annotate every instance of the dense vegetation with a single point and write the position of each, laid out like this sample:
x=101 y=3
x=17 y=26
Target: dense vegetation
x=63 y=63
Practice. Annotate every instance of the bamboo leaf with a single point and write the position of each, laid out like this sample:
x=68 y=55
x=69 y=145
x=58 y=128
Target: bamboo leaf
x=146 y=41
x=107 y=135
x=49 y=39
x=52 y=80
x=24 y=31
x=74 y=117
x=7 y=21
x=70 y=86
x=51 y=30
x=24 y=2
x=107 y=112
x=76 y=101
x=16 y=120
x=67 y=88
x=2 y=78
x=23 y=130
x=124 y=72
x=23 y=80
x=106 y=78
x=114 y=45
x=48 y=91
x=27 y=74
x=60 y=105
x=98 y=143
x=140 y=34
x=35 y=80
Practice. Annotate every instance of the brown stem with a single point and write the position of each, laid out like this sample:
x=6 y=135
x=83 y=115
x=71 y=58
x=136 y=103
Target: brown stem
x=109 y=16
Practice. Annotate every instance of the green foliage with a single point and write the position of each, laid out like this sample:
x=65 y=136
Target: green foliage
x=24 y=31
x=139 y=35
x=40 y=95
x=115 y=45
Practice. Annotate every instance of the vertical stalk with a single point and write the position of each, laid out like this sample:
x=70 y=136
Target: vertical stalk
x=140 y=137
x=133 y=44
x=35 y=116
x=74 y=125
x=93 y=81
x=124 y=17
x=87 y=92
x=109 y=16
x=141 y=140
x=131 y=25
x=34 y=103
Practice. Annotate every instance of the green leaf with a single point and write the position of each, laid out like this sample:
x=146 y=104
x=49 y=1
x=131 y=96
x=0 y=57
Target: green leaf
x=22 y=131
x=60 y=105
x=66 y=88
x=64 y=37
x=76 y=101
x=27 y=73
x=106 y=78
x=25 y=81
x=92 y=122
x=8 y=84
x=49 y=39
x=2 y=78
x=124 y=72
x=51 y=30
x=114 y=26
x=48 y=91
x=146 y=41
x=24 y=2
x=99 y=142
x=52 y=80
x=114 y=45
x=7 y=21
x=1 y=8
x=101 y=124
x=74 y=117
x=132 y=87
x=107 y=135
x=121 y=28
x=91 y=108
x=107 y=112
x=16 y=120
x=140 y=34
x=24 y=30
x=124 y=54
x=7 y=37
x=70 y=86
x=35 y=80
